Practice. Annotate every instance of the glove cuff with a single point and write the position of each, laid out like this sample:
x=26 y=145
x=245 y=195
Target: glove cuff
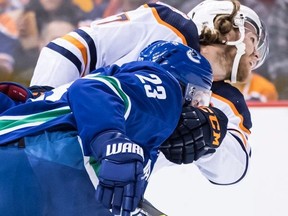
x=116 y=146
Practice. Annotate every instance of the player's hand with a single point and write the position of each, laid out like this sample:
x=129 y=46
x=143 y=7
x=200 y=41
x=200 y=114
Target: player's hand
x=199 y=132
x=121 y=182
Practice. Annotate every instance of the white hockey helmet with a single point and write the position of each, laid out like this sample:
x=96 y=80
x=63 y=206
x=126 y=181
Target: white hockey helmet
x=204 y=14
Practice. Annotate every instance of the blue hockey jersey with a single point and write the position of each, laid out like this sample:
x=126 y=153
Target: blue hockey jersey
x=139 y=99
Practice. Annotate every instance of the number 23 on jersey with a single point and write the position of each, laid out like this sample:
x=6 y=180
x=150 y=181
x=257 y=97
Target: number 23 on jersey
x=153 y=86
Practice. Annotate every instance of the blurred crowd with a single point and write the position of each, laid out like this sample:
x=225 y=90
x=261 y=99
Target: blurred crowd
x=28 y=25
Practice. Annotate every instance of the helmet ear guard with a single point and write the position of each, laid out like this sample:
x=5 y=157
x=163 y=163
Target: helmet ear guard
x=205 y=13
x=185 y=64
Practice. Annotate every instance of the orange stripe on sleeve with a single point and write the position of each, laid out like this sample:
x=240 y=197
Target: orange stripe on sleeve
x=80 y=46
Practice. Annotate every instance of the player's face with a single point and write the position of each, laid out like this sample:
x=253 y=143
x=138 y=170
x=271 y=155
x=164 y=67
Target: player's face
x=249 y=59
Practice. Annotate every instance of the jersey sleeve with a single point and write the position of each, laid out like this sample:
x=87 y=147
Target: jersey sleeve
x=230 y=162
x=65 y=59
x=114 y=40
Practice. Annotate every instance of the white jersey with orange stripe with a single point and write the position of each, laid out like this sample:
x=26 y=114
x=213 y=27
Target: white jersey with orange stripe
x=114 y=40
x=229 y=164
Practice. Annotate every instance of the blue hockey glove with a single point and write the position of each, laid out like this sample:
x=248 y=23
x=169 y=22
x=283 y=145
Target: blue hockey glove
x=121 y=180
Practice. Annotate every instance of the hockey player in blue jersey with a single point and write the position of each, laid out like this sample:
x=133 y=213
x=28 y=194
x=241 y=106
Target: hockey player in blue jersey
x=108 y=124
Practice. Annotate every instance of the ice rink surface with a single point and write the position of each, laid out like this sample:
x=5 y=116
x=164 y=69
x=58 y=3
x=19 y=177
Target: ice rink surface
x=183 y=191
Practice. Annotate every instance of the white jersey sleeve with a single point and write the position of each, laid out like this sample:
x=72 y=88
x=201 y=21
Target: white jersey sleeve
x=230 y=162
x=114 y=40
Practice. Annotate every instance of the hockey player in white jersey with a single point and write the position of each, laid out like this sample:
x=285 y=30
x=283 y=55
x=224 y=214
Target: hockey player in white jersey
x=233 y=46
x=233 y=39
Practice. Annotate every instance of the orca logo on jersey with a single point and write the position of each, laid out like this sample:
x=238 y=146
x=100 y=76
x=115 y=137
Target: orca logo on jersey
x=193 y=56
x=127 y=147
x=215 y=126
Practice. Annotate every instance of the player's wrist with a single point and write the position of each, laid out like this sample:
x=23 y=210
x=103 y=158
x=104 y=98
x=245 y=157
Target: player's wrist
x=117 y=147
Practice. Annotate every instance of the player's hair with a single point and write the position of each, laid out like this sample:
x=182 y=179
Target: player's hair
x=223 y=24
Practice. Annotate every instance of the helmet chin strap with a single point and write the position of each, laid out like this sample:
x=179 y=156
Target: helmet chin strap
x=240 y=51
x=240 y=46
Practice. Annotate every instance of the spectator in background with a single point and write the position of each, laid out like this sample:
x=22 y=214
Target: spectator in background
x=54 y=29
x=49 y=10
x=32 y=20
x=8 y=49
x=94 y=9
x=117 y=6
x=261 y=7
x=277 y=61
x=9 y=5
x=257 y=88
x=9 y=40
x=186 y=5
x=113 y=7
x=85 y=5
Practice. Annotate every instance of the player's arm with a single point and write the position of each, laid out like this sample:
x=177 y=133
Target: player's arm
x=99 y=112
x=66 y=58
x=101 y=107
x=230 y=162
x=85 y=49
